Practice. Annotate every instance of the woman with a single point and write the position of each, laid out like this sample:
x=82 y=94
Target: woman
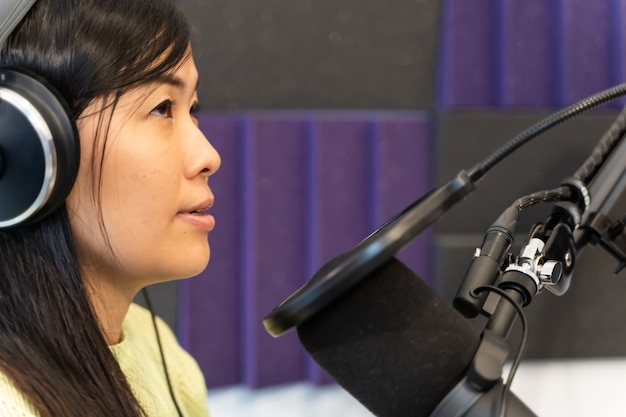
x=71 y=341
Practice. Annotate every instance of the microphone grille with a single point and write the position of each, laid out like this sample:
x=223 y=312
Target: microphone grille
x=392 y=343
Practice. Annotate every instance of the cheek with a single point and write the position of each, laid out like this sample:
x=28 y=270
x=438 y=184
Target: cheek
x=140 y=189
x=87 y=215
x=136 y=166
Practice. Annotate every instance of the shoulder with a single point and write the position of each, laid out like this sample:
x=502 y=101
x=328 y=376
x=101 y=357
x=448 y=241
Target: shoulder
x=12 y=402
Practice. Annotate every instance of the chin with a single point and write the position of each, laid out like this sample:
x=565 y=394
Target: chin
x=178 y=274
x=185 y=263
x=195 y=267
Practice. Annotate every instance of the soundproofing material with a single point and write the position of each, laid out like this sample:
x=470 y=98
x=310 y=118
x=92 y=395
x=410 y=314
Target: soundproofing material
x=529 y=53
x=315 y=54
x=295 y=189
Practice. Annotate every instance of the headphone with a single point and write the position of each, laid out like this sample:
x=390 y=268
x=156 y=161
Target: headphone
x=39 y=146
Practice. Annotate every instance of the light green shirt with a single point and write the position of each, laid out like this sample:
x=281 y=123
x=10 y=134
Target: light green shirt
x=140 y=360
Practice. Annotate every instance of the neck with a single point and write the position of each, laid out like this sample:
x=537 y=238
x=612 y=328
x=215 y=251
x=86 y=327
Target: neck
x=110 y=303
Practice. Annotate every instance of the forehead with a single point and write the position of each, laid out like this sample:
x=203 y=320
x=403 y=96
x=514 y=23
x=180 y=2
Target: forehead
x=183 y=80
x=184 y=77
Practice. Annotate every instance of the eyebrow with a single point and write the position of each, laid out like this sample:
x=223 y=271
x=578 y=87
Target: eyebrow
x=177 y=82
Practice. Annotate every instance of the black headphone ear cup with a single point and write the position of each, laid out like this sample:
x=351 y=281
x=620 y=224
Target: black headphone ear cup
x=39 y=148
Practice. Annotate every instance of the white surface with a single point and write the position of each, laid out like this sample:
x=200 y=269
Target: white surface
x=297 y=400
x=573 y=388
x=552 y=389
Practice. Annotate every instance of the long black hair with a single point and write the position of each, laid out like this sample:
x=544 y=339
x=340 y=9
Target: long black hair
x=52 y=346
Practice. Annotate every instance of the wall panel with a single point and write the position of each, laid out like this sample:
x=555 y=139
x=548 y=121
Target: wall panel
x=528 y=53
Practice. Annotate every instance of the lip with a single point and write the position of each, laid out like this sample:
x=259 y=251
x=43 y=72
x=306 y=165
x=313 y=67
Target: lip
x=202 y=206
x=197 y=215
x=203 y=221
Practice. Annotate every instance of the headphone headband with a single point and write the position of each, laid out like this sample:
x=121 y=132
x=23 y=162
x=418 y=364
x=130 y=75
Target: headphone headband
x=11 y=13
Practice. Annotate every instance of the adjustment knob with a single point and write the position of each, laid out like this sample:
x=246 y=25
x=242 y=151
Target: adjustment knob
x=550 y=272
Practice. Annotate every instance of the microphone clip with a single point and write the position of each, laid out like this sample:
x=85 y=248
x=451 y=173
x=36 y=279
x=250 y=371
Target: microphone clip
x=547 y=259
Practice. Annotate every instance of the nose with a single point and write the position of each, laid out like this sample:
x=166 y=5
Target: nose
x=204 y=158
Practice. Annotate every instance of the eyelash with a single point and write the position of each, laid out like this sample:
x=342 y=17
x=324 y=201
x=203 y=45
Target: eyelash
x=195 y=109
x=165 y=109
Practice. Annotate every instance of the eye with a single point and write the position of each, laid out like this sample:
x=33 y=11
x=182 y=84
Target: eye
x=164 y=109
x=194 y=110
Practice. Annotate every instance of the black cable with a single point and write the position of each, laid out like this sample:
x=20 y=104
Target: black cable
x=144 y=292
x=522 y=346
x=563 y=193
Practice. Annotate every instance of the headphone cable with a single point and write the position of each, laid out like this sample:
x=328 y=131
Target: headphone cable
x=144 y=291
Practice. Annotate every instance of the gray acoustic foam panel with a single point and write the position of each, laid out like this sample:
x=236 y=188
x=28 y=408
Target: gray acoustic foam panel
x=164 y=300
x=306 y=54
x=587 y=320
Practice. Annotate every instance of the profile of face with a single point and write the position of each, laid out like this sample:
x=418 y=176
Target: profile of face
x=152 y=192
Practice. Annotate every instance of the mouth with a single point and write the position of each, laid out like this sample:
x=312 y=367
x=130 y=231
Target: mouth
x=198 y=215
x=198 y=219
x=199 y=209
x=198 y=212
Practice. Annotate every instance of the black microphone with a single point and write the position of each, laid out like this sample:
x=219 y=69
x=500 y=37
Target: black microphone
x=399 y=349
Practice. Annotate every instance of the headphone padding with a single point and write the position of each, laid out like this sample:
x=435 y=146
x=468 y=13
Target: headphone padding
x=39 y=147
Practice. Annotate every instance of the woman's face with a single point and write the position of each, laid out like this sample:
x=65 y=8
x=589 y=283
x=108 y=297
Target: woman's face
x=153 y=188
